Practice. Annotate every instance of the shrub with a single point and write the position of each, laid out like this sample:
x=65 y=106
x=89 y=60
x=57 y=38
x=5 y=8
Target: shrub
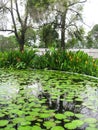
x=53 y=59
x=16 y=58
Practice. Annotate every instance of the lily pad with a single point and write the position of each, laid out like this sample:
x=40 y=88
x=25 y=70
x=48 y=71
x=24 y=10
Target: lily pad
x=3 y=123
x=49 y=124
x=36 y=128
x=60 y=116
x=68 y=113
x=57 y=128
x=90 y=120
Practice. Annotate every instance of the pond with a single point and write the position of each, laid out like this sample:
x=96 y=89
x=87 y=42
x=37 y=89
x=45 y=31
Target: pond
x=47 y=100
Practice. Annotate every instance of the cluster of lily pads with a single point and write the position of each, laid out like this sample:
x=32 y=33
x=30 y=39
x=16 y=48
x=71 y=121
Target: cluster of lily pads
x=47 y=100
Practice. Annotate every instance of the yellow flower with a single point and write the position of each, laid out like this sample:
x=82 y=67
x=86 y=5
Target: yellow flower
x=70 y=57
x=94 y=65
x=86 y=62
x=77 y=60
x=93 y=60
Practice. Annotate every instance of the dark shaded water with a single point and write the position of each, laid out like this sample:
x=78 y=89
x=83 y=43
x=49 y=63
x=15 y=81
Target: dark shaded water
x=40 y=100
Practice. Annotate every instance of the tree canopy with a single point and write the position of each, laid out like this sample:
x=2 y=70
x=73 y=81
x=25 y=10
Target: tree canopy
x=62 y=18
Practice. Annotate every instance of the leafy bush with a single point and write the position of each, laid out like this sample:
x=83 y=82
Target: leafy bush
x=53 y=59
x=16 y=58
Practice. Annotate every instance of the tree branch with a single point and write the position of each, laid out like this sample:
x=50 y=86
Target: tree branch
x=74 y=3
x=18 y=14
x=13 y=19
x=7 y=30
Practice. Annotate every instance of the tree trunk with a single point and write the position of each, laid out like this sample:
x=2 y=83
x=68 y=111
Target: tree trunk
x=63 y=18
x=63 y=38
x=21 y=48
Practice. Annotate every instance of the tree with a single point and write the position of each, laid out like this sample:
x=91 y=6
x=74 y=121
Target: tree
x=64 y=15
x=68 y=15
x=48 y=35
x=20 y=20
x=7 y=43
x=76 y=39
x=92 y=37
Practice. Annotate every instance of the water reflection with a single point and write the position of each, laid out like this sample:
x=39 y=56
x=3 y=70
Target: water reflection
x=35 y=89
x=86 y=103
x=90 y=102
x=9 y=90
x=59 y=95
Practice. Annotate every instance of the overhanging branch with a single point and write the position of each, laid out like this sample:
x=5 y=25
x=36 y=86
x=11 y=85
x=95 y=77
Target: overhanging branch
x=7 y=30
x=78 y=2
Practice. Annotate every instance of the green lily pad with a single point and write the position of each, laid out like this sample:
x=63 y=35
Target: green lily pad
x=70 y=126
x=90 y=120
x=79 y=115
x=2 y=115
x=74 y=124
x=79 y=123
x=25 y=128
x=60 y=116
x=68 y=113
x=91 y=128
x=49 y=124
x=3 y=123
x=57 y=128
x=36 y=128
x=45 y=115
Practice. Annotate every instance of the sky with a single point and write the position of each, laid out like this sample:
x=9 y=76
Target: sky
x=90 y=13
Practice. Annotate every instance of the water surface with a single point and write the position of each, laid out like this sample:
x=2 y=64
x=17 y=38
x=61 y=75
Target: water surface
x=47 y=100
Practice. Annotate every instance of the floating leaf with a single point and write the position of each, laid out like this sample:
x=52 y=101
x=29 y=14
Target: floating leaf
x=74 y=124
x=57 y=128
x=78 y=122
x=90 y=120
x=25 y=128
x=18 y=120
x=70 y=126
x=3 y=123
x=49 y=124
x=91 y=128
x=79 y=115
x=2 y=115
x=60 y=116
x=9 y=128
x=36 y=128
x=68 y=113
x=45 y=115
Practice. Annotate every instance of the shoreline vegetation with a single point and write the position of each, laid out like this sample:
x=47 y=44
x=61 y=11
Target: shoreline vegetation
x=77 y=62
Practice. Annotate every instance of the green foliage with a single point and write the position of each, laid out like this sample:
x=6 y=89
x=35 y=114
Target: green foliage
x=16 y=59
x=67 y=61
x=92 y=37
x=28 y=111
x=3 y=122
x=48 y=35
x=7 y=43
x=78 y=61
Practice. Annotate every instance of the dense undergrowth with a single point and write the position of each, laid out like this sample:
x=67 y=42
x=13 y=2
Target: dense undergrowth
x=78 y=62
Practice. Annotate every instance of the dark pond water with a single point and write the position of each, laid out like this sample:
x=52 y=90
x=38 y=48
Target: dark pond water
x=47 y=100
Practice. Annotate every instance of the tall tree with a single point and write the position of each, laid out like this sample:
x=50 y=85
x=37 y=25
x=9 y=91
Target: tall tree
x=64 y=15
x=48 y=35
x=68 y=15
x=20 y=20
x=92 y=37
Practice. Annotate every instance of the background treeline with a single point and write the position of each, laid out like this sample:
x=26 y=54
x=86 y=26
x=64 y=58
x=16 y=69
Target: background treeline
x=45 y=23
